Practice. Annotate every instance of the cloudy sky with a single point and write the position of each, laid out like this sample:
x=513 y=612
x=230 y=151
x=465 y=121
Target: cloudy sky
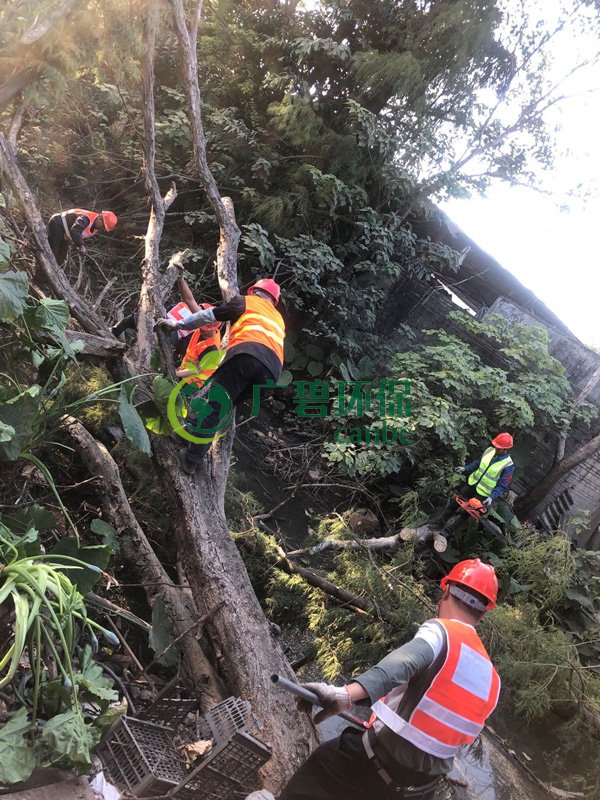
x=553 y=250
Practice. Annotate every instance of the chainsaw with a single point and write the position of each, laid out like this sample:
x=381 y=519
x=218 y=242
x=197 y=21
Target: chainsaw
x=473 y=506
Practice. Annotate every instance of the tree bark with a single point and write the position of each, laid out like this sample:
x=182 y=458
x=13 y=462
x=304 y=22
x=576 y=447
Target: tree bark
x=137 y=551
x=528 y=502
x=562 y=441
x=248 y=654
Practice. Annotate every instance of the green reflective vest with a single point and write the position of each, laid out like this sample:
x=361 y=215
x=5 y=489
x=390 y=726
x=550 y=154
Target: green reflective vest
x=486 y=475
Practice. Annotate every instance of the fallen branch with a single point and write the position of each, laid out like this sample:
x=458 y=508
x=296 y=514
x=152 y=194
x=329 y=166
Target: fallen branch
x=380 y=543
x=139 y=554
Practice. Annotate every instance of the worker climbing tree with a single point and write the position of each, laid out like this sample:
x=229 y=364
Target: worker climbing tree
x=254 y=356
x=75 y=227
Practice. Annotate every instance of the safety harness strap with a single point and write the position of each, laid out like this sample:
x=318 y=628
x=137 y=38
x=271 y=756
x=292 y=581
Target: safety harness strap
x=402 y=792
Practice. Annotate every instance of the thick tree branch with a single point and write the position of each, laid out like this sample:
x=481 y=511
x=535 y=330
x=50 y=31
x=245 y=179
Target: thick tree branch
x=138 y=552
x=222 y=206
x=151 y=302
x=41 y=27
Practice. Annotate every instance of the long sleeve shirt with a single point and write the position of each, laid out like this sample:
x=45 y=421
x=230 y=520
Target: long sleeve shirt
x=397 y=669
x=76 y=225
x=231 y=311
x=503 y=481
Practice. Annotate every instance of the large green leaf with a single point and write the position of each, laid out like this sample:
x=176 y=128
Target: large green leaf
x=17 y=759
x=4 y=254
x=162 y=388
x=161 y=635
x=6 y=432
x=133 y=424
x=19 y=413
x=14 y=288
x=31 y=517
x=84 y=579
x=109 y=535
x=52 y=315
x=68 y=735
x=94 y=681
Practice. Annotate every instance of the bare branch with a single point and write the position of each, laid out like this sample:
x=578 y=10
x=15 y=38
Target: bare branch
x=41 y=27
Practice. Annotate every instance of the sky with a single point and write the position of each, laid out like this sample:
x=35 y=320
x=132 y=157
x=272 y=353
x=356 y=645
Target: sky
x=552 y=249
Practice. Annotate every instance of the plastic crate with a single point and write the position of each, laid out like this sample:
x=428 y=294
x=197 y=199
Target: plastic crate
x=225 y=719
x=140 y=759
x=227 y=772
x=168 y=711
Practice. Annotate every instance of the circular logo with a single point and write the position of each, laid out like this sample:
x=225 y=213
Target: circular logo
x=199 y=410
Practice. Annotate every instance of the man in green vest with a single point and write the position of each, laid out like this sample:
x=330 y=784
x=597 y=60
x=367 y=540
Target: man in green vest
x=488 y=478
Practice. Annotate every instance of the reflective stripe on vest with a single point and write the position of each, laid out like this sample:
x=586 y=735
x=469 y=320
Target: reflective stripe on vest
x=180 y=312
x=487 y=474
x=196 y=348
x=87 y=232
x=260 y=323
x=452 y=711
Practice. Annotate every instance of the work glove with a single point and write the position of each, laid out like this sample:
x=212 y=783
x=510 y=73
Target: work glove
x=167 y=324
x=333 y=699
x=459 y=470
x=488 y=502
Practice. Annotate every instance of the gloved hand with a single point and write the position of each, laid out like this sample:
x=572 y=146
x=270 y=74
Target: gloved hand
x=459 y=470
x=334 y=700
x=488 y=502
x=167 y=324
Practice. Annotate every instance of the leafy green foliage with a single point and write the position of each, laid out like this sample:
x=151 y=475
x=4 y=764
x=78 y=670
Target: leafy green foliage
x=17 y=757
x=133 y=424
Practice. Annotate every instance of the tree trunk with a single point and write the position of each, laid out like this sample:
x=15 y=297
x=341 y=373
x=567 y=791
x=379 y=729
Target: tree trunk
x=137 y=552
x=247 y=654
x=528 y=502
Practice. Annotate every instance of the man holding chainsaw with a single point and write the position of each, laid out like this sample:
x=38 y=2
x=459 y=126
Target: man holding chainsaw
x=488 y=479
x=489 y=476
x=429 y=698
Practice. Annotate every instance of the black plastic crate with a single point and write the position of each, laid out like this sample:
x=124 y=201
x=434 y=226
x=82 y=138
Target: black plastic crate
x=225 y=719
x=168 y=711
x=228 y=772
x=140 y=759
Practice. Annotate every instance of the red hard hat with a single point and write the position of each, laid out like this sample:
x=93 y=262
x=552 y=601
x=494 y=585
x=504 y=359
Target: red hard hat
x=503 y=441
x=267 y=285
x=474 y=574
x=109 y=219
x=213 y=326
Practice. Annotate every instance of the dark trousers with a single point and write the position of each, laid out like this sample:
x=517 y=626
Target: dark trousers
x=341 y=770
x=237 y=376
x=56 y=239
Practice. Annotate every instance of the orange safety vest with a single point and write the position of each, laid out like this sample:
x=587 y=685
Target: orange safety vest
x=196 y=348
x=452 y=710
x=260 y=323
x=87 y=232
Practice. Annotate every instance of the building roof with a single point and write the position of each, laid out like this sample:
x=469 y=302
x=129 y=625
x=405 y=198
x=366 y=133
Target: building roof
x=481 y=279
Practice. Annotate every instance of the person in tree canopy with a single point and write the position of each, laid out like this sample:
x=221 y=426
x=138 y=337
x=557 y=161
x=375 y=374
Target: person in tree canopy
x=254 y=357
x=75 y=226
x=429 y=698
